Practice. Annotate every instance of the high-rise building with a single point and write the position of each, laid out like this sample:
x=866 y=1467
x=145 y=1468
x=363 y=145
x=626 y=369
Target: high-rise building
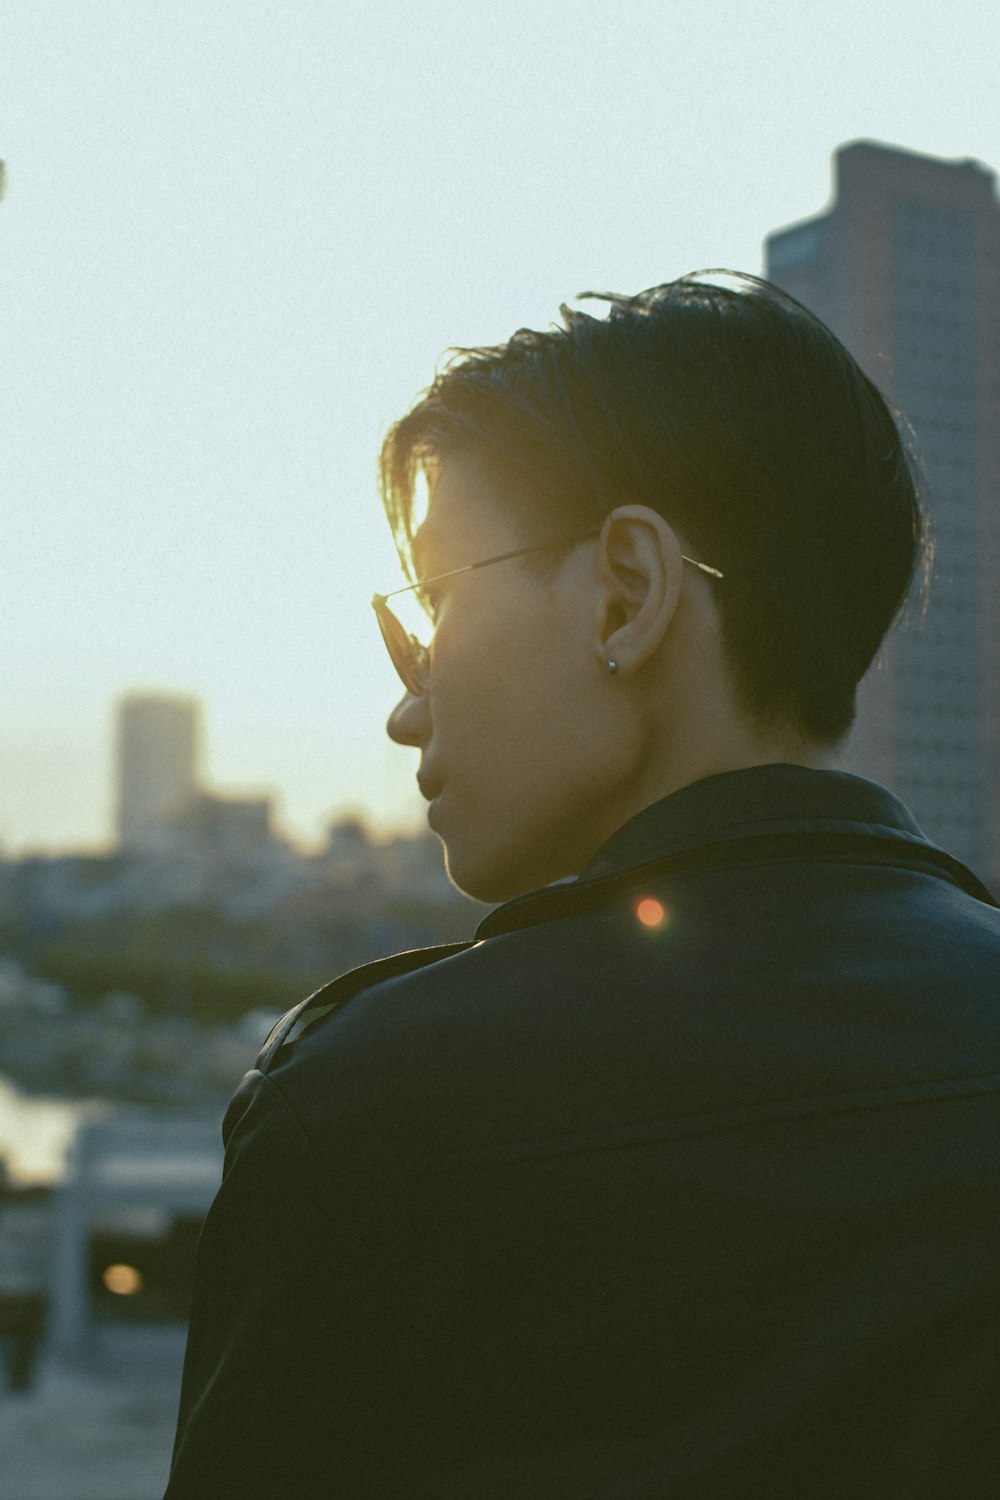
x=158 y=751
x=905 y=268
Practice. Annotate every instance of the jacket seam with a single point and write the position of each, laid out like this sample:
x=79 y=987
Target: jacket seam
x=701 y=1125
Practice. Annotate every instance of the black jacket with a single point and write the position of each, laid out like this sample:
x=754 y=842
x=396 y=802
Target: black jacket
x=590 y=1208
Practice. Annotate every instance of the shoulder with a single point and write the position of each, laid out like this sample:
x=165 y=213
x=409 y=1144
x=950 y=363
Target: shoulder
x=419 y=1006
x=427 y=1053
x=770 y=981
x=457 y=987
x=338 y=992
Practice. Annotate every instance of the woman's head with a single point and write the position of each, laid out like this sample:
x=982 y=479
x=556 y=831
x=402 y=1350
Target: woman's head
x=724 y=424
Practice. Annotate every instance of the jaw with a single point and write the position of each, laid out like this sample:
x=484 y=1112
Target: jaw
x=497 y=869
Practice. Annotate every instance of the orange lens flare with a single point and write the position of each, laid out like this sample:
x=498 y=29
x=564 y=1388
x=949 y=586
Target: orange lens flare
x=124 y=1281
x=651 y=913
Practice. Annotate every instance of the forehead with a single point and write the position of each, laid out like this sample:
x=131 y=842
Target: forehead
x=469 y=515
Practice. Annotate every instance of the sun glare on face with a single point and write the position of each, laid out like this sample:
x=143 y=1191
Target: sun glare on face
x=421 y=498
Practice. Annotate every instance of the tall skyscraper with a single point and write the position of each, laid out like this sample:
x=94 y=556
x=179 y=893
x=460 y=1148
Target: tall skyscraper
x=905 y=268
x=158 y=751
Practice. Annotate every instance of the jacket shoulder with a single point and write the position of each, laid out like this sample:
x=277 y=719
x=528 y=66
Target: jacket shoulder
x=338 y=992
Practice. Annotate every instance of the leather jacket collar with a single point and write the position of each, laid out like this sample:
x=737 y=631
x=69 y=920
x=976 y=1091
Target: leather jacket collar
x=778 y=811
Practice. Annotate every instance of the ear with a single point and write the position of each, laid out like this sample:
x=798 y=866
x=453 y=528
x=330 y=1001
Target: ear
x=641 y=567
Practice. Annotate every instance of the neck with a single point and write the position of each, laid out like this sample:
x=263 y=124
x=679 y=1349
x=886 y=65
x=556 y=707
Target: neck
x=709 y=736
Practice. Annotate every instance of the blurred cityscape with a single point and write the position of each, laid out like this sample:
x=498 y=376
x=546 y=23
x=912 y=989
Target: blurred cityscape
x=140 y=983
x=146 y=973
x=136 y=988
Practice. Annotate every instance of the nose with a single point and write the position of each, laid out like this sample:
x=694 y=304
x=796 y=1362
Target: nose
x=409 y=722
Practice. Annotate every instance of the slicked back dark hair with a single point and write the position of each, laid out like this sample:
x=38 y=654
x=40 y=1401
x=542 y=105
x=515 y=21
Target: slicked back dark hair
x=738 y=416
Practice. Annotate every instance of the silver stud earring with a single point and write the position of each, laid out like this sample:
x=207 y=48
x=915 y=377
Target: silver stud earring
x=612 y=665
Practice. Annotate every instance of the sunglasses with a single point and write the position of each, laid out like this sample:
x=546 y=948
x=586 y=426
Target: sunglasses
x=410 y=656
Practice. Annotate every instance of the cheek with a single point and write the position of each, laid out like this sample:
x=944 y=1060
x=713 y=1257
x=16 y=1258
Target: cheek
x=483 y=663
x=535 y=731
x=480 y=720
x=520 y=707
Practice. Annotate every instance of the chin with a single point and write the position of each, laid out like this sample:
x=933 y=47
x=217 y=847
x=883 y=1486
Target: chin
x=480 y=884
x=491 y=880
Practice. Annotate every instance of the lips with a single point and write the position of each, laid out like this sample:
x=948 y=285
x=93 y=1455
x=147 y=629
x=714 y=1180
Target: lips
x=429 y=788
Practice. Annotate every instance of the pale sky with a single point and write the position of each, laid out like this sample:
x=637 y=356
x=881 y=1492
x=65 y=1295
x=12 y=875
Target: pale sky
x=238 y=236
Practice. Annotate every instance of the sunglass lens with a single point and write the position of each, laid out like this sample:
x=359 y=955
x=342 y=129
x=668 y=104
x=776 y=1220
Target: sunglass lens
x=409 y=657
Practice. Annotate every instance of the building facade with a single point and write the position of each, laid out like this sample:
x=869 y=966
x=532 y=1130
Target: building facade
x=158 y=740
x=905 y=268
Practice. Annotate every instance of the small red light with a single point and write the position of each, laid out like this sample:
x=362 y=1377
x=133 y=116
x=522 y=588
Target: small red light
x=651 y=912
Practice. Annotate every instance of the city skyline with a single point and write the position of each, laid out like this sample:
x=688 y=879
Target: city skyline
x=161 y=795
x=231 y=256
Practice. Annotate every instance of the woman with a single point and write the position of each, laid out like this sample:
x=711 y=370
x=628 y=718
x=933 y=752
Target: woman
x=672 y=1182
